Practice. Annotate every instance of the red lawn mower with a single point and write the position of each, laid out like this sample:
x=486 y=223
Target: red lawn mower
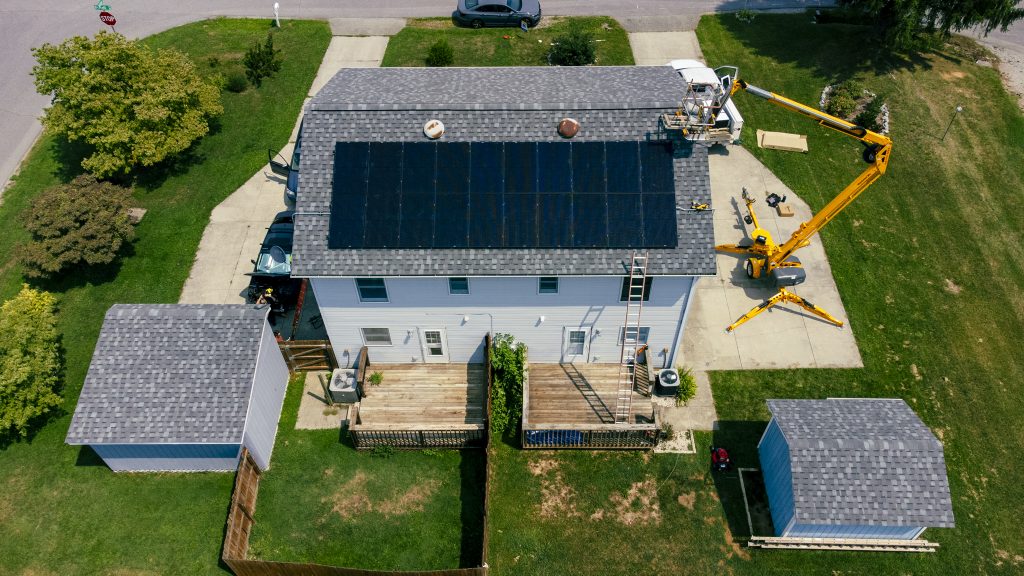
x=720 y=461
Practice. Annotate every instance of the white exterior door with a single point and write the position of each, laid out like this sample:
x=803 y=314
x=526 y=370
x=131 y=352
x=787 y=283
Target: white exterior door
x=435 y=345
x=575 y=344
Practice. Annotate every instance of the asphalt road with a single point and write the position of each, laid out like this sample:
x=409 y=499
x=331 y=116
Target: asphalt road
x=24 y=25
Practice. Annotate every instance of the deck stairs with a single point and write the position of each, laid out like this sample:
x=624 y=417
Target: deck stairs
x=631 y=336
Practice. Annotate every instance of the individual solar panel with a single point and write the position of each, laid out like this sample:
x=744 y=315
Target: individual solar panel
x=590 y=221
x=588 y=168
x=660 y=221
x=554 y=167
x=658 y=174
x=452 y=168
x=417 y=223
x=625 y=223
x=350 y=159
x=486 y=221
x=418 y=169
x=623 y=161
x=487 y=168
x=521 y=224
x=520 y=167
x=451 y=221
x=555 y=220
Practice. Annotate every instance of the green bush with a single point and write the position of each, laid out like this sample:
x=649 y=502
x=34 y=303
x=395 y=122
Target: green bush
x=687 y=386
x=440 y=53
x=82 y=223
x=236 y=81
x=573 y=49
x=869 y=116
x=508 y=359
x=842 y=101
x=261 y=61
x=29 y=360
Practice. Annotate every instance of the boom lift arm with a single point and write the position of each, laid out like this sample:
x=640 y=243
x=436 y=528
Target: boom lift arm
x=766 y=258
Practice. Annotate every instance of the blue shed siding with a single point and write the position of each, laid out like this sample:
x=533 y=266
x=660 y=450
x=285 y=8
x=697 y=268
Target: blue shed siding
x=169 y=457
x=268 y=387
x=852 y=531
x=778 y=475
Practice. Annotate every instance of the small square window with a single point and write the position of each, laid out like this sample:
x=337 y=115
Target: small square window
x=624 y=295
x=372 y=290
x=458 y=285
x=548 y=285
x=629 y=334
x=377 y=336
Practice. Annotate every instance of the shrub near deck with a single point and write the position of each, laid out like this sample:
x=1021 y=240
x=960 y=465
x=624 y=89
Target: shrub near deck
x=324 y=502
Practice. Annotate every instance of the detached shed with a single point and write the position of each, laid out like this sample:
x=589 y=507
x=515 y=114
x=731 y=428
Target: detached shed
x=853 y=468
x=175 y=387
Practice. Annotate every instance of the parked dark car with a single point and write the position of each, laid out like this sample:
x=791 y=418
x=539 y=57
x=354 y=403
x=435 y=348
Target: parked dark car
x=289 y=170
x=272 y=267
x=480 y=13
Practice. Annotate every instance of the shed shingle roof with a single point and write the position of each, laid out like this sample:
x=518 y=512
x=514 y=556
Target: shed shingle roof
x=493 y=104
x=169 y=373
x=864 y=461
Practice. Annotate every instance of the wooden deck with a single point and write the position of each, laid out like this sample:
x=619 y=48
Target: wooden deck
x=579 y=394
x=424 y=396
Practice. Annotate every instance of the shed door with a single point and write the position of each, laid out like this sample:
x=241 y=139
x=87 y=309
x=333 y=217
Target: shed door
x=435 y=346
x=576 y=344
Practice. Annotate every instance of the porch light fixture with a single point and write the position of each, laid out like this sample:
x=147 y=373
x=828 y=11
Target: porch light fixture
x=540 y=320
x=465 y=319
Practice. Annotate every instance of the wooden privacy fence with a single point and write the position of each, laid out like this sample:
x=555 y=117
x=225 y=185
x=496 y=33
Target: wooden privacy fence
x=303 y=355
x=240 y=513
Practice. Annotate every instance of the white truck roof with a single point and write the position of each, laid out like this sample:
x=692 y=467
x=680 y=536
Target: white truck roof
x=695 y=71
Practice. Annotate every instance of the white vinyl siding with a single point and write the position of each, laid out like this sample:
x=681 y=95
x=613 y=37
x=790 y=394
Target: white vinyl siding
x=268 y=388
x=499 y=304
x=169 y=457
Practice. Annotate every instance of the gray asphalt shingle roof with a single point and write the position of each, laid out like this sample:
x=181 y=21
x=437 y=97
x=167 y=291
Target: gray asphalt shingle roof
x=864 y=461
x=169 y=373
x=493 y=104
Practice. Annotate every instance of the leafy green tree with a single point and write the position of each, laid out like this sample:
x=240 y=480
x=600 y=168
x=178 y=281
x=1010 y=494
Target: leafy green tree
x=901 y=22
x=576 y=48
x=133 y=106
x=261 y=61
x=508 y=359
x=85 y=222
x=29 y=360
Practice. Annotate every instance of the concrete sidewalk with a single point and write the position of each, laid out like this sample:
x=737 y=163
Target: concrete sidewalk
x=785 y=337
x=238 y=224
x=658 y=48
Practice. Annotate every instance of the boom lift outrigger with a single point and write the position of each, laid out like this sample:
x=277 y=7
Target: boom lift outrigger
x=766 y=258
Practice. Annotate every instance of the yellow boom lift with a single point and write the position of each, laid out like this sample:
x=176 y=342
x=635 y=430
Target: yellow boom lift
x=768 y=259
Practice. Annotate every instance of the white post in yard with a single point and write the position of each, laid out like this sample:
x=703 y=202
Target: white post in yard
x=277 y=16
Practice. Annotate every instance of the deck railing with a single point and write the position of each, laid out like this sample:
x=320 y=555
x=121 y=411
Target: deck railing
x=590 y=436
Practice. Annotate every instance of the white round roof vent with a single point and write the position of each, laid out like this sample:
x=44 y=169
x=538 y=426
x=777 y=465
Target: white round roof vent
x=433 y=129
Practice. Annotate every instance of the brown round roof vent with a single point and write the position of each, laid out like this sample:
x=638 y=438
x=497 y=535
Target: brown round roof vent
x=433 y=129
x=568 y=128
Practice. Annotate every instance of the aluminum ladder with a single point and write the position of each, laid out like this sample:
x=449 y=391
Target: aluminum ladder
x=631 y=336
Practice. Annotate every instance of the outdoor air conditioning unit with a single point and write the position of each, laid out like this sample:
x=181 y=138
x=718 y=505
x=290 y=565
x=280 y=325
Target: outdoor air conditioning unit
x=343 y=388
x=667 y=382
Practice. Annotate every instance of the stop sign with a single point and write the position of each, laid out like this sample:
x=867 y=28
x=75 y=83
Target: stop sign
x=108 y=18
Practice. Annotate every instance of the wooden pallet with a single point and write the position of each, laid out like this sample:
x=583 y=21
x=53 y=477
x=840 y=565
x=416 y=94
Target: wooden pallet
x=857 y=544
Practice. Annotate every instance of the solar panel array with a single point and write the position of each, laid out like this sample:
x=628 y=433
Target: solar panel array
x=503 y=195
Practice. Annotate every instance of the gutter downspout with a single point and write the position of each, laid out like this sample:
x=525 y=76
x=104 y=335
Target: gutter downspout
x=682 y=321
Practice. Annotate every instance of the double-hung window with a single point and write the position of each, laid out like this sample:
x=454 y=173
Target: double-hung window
x=624 y=295
x=548 y=285
x=372 y=290
x=630 y=335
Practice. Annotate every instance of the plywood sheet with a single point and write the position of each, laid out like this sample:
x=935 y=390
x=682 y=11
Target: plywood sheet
x=782 y=141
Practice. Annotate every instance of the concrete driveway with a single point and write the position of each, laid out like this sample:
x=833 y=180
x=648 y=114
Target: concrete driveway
x=238 y=224
x=786 y=336
x=659 y=48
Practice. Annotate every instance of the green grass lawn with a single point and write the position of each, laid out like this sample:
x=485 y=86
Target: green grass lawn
x=929 y=268
x=61 y=511
x=322 y=501
x=505 y=46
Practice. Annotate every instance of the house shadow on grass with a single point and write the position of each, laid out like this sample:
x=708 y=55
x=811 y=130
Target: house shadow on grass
x=88 y=457
x=740 y=438
x=472 y=475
